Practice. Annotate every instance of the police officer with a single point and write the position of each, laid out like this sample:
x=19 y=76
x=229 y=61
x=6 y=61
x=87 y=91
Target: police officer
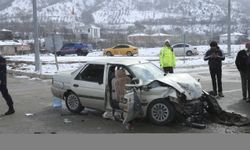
x=215 y=57
x=167 y=58
x=3 y=86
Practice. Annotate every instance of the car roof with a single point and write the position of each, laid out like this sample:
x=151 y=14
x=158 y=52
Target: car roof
x=118 y=61
x=181 y=43
x=124 y=45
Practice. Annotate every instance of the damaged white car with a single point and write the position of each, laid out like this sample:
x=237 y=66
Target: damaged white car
x=136 y=88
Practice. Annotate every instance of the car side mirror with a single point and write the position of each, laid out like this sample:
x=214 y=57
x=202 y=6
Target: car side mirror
x=135 y=81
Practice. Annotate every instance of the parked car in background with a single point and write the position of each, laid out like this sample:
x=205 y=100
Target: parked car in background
x=182 y=49
x=139 y=89
x=81 y=49
x=121 y=49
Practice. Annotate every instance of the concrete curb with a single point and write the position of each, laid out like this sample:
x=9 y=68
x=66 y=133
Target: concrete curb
x=31 y=75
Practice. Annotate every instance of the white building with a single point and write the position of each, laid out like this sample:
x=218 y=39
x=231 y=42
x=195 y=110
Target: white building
x=235 y=38
x=91 y=31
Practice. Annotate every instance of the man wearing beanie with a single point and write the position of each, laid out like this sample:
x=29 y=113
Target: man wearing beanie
x=215 y=57
x=167 y=58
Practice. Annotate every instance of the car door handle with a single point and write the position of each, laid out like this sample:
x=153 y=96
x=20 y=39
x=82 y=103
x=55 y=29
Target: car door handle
x=75 y=85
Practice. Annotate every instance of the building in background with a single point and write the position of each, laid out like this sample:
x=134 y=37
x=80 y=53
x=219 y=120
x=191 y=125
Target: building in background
x=10 y=47
x=149 y=40
x=236 y=38
x=87 y=32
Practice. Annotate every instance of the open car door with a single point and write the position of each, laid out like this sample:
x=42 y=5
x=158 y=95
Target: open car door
x=132 y=108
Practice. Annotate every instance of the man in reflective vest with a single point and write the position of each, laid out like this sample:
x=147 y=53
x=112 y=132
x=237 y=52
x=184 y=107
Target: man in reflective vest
x=167 y=58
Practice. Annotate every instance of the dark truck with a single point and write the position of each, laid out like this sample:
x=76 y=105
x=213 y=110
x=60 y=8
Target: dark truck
x=81 y=49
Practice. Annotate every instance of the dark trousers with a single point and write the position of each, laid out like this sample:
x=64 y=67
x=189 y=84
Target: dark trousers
x=216 y=77
x=6 y=95
x=245 y=83
x=168 y=69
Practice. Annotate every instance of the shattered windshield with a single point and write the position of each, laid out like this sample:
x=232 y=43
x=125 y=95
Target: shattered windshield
x=147 y=72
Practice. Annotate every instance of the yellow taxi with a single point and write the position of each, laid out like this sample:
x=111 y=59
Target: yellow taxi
x=121 y=49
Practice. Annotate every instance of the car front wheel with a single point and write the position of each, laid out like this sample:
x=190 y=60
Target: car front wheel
x=73 y=103
x=109 y=54
x=189 y=53
x=161 y=112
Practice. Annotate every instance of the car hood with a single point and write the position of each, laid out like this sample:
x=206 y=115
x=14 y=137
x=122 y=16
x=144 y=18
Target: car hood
x=184 y=83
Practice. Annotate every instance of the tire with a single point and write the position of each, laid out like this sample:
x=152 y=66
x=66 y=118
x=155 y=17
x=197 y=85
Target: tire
x=163 y=109
x=73 y=103
x=129 y=54
x=189 y=53
x=79 y=53
x=109 y=53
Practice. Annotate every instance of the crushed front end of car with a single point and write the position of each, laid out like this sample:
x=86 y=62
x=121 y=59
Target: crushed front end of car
x=194 y=106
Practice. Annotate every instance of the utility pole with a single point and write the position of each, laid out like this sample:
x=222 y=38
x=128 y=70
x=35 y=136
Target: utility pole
x=184 y=43
x=229 y=29
x=35 y=35
x=54 y=48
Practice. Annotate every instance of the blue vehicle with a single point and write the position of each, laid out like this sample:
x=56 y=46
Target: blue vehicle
x=81 y=49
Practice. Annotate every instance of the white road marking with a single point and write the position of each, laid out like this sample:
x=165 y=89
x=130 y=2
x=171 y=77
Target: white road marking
x=236 y=90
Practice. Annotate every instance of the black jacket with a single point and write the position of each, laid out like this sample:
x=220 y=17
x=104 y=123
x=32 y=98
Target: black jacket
x=241 y=61
x=2 y=71
x=215 y=57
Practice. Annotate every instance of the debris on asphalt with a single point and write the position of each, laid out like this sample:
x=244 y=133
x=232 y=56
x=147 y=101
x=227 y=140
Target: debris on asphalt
x=29 y=114
x=222 y=117
x=56 y=102
x=67 y=121
x=38 y=132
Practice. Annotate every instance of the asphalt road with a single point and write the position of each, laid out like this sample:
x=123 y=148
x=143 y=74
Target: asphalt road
x=34 y=96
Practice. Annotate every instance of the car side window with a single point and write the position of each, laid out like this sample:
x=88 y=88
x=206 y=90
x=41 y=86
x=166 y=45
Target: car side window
x=92 y=73
x=118 y=46
x=178 y=46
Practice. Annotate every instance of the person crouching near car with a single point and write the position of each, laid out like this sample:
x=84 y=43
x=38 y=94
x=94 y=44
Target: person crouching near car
x=167 y=58
x=243 y=65
x=215 y=57
x=3 y=86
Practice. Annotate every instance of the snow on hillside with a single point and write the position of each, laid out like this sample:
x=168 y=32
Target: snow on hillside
x=17 y=7
x=122 y=12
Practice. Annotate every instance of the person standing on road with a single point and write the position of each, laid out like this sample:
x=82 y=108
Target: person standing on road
x=3 y=86
x=167 y=58
x=243 y=65
x=215 y=57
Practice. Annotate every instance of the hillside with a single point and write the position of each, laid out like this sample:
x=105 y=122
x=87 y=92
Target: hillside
x=192 y=16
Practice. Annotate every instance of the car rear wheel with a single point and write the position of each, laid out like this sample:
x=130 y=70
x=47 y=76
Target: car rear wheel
x=79 y=53
x=109 y=54
x=189 y=53
x=161 y=112
x=129 y=54
x=73 y=103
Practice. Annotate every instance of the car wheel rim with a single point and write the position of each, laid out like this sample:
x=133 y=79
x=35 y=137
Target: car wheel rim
x=129 y=54
x=160 y=112
x=73 y=102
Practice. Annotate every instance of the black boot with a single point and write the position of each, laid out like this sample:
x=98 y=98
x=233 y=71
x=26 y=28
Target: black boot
x=10 y=111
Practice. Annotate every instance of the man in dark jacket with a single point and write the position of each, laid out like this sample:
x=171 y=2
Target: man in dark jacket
x=242 y=65
x=3 y=86
x=215 y=57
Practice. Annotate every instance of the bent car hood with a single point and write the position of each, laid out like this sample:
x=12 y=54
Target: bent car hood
x=185 y=84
